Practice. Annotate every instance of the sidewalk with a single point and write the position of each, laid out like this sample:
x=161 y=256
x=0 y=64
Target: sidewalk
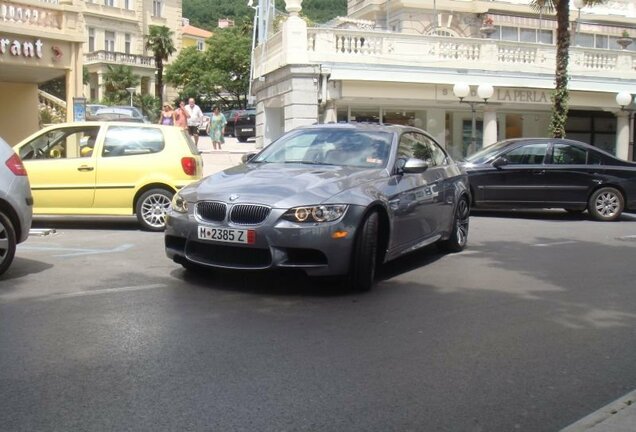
x=617 y=416
x=230 y=154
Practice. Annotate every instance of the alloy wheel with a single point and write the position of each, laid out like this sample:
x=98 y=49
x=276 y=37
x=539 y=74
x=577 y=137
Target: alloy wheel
x=154 y=209
x=607 y=204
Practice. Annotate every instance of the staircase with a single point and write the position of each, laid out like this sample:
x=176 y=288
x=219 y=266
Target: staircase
x=52 y=109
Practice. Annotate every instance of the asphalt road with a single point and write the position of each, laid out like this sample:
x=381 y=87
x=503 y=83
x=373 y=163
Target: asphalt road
x=529 y=329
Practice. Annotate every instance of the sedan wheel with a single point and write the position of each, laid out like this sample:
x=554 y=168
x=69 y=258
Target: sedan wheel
x=152 y=207
x=459 y=236
x=7 y=243
x=363 y=260
x=606 y=204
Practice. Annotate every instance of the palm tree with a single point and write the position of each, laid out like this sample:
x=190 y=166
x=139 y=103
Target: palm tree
x=561 y=94
x=116 y=79
x=159 y=41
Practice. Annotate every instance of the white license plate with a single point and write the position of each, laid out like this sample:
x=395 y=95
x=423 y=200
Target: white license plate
x=227 y=235
x=247 y=130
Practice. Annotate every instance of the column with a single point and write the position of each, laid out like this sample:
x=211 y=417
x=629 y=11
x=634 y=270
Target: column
x=490 y=126
x=100 y=89
x=436 y=125
x=622 y=135
x=331 y=115
x=73 y=78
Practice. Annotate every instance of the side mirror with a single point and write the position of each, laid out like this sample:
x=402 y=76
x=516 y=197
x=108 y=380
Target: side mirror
x=413 y=166
x=247 y=157
x=500 y=161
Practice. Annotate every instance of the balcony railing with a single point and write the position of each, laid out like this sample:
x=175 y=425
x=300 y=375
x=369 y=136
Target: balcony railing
x=30 y=16
x=333 y=46
x=119 y=58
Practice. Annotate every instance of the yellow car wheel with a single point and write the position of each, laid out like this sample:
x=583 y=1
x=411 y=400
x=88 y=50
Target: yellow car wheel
x=151 y=209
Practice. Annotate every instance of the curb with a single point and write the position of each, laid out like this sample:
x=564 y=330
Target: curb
x=612 y=413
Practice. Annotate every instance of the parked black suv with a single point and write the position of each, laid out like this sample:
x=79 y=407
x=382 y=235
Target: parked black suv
x=245 y=125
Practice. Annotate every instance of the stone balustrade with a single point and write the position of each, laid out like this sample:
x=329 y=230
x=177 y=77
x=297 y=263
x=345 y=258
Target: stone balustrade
x=119 y=58
x=327 y=45
x=29 y=15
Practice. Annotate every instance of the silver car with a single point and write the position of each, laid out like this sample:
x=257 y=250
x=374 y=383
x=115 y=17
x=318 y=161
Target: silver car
x=16 y=204
x=333 y=199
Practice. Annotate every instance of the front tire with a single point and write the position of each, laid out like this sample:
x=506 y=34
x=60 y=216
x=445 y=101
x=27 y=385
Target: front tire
x=152 y=207
x=364 y=256
x=242 y=139
x=606 y=204
x=459 y=236
x=8 y=243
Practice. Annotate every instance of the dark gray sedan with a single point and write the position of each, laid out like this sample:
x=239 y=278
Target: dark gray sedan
x=327 y=199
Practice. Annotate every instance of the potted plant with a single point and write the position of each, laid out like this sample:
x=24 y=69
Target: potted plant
x=487 y=26
x=625 y=40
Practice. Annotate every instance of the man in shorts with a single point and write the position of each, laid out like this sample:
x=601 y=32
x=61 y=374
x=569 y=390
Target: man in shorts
x=194 y=119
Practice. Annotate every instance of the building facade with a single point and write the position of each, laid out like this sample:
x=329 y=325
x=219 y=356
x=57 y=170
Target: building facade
x=193 y=36
x=39 y=41
x=398 y=61
x=114 y=34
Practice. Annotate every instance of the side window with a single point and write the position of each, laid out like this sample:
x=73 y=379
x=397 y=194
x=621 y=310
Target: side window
x=426 y=149
x=131 y=140
x=530 y=154
x=594 y=158
x=414 y=145
x=566 y=154
x=406 y=148
x=66 y=143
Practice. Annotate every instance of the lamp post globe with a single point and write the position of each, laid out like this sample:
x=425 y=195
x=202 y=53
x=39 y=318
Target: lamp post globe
x=131 y=90
x=623 y=99
x=461 y=90
x=485 y=91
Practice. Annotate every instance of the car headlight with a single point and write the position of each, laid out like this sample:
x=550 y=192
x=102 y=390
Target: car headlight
x=179 y=204
x=317 y=213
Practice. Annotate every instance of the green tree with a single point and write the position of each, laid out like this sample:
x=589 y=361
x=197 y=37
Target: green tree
x=149 y=106
x=561 y=95
x=220 y=74
x=116 y=79
x=159 y=41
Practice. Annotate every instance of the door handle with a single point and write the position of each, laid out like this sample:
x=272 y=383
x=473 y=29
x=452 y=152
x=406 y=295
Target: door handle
x=85 y=168
x=538 y=172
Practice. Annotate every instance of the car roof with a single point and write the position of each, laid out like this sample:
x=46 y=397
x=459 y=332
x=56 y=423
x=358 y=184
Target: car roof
x=376 y=127
x=530 y=140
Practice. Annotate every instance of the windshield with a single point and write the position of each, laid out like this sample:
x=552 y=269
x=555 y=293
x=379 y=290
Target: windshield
x=487 y=153
x=342 y=147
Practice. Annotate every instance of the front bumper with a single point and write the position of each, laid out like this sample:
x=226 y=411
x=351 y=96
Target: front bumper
x=279 y=244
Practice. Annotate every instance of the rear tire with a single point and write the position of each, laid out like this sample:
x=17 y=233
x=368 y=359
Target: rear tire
x=364 y=256
x=8 y=242
x=606 y=204
x=459 y=237
x=151 y=209
x=242 y=139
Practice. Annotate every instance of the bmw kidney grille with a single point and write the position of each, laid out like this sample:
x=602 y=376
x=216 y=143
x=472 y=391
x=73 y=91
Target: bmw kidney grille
x=211 y=210
x=248 y=214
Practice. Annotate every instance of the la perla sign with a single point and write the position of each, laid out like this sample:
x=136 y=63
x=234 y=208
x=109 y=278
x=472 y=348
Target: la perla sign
x=19 y=48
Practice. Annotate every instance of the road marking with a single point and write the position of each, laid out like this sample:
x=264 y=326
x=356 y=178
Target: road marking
x=554 y=244
x=627 y=237
x=41 y=232
x=101 y=291
x=77 y=251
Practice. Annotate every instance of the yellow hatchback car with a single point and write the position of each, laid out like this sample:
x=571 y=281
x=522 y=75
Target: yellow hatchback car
x=109 y=168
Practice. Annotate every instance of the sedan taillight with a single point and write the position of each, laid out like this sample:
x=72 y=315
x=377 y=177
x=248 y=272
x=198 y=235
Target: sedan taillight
x=16 y=166
x=189 y=165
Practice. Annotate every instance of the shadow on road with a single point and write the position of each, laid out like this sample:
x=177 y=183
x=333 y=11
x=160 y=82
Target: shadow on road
x=102 y=223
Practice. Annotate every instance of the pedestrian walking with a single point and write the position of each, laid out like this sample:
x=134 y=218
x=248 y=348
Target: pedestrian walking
x=217 y=128
x=181 y=116
x=195 y=115
x=167 y=115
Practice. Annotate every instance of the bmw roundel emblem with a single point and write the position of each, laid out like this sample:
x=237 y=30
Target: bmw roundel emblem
x=234 y=197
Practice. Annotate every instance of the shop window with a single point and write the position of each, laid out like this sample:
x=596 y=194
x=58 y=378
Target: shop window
x=365 y=115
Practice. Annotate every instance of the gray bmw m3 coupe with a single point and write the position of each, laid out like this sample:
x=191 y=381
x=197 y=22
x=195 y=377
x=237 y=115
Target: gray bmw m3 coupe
x=332 y=199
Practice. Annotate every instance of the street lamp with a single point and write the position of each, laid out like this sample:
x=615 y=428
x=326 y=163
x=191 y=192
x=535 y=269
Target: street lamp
x=485 y=92
x=624 y=100
x=131 y=90
x=579 y=4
